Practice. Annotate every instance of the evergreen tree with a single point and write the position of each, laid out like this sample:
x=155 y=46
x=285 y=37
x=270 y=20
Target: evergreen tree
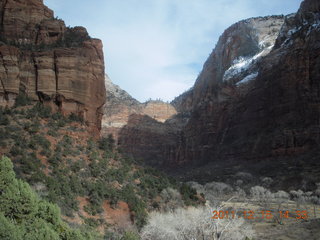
x=24 y=216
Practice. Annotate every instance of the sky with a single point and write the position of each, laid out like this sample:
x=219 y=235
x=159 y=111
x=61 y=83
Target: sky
x=156 y=48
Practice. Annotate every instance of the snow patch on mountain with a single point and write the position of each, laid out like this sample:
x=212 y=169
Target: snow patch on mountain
x=242 y=64
x=248 y=78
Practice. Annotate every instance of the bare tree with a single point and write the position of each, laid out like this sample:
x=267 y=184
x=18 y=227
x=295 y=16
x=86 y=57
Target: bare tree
x=195 y=223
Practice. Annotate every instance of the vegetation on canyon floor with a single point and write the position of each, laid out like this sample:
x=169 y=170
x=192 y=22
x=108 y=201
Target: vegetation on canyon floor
x=66 y=166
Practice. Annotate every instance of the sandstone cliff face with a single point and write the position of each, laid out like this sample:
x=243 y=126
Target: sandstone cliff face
x=184 y=137
x=60 y=66
x=269 y=109
x=121 y=111
x=256 y=101
x=235 y=56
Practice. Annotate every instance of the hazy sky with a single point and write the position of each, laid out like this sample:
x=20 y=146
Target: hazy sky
x=156 y=48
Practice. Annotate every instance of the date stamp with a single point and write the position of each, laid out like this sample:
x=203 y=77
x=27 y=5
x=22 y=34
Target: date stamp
x=250 y=215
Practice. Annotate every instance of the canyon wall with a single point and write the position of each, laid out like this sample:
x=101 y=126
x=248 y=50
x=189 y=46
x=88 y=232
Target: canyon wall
x=49 y=62
x=121 y=112
x=257 y=98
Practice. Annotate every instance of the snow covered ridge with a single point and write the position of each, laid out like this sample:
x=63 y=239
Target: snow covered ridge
x=305 y=27
x=242 y=64
x=248 y=78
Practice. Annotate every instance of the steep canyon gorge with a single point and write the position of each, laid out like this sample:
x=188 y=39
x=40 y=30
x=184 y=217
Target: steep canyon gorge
x=256 y=98
x=249 y=124
x=254 y=106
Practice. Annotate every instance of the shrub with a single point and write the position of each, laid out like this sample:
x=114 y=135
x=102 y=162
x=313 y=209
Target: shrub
x=262 y=195
x=130 y=236
x=171 y=199
x=194 y=223
x=107 y=144
x=8 y=231
x=219 y=188
x=75 y=118
x=4 y=120
x=53 y=133
x=266 y=181
x=22 y=100
x=136 y=205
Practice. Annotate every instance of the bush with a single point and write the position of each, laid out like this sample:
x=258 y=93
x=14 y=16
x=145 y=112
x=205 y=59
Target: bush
x=75 y=118
x=53 y=133
x=189 y=194
x=194 y=223
x=136 y=205
x=22 y=100
x=107 y=144
x=219 y=188
x=4 y=120
x=8 y=231
x=130 y=236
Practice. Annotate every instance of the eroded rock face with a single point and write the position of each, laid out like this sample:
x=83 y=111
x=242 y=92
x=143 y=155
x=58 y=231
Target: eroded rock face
x=256 y=101
x=121 y=112
x=149 y=140
x=39 y=56
x=138 y=128
x=269 y=109
x=237 y=50
x=117 y=109
x=183 y=139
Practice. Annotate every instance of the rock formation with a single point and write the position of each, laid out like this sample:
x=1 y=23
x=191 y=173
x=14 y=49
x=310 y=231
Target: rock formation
x=49 y=62
x=175 y=142
x=252 y=109
x=121 y=109
x=257 y=98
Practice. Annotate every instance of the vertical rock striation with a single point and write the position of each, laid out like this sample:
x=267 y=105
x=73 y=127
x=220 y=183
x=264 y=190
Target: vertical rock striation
x=42 y=58
x=254 y=100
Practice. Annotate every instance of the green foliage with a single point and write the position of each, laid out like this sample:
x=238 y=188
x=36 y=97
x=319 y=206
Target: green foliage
x=53 y=133
x=94 y=170
x=189 y=194
x=24 y=216
x=137 y=205
x=4 y=120
x=8 y=231
x=39 y=229
x=75 y=118
x=22 y=100
x=74 y=38
x=107 y=144
x=92 y=222
x=130 y=236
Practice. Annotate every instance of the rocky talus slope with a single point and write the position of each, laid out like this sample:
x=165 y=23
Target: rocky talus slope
x=49 y=62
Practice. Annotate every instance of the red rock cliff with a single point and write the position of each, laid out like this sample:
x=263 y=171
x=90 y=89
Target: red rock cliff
x=245 y=106
x=256 y=101
x=41 y=57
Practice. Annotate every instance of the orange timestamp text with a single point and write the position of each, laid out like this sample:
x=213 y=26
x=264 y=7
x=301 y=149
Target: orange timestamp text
x=260 y=214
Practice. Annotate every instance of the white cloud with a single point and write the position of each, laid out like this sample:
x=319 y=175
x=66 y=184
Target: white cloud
x=156 y=48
